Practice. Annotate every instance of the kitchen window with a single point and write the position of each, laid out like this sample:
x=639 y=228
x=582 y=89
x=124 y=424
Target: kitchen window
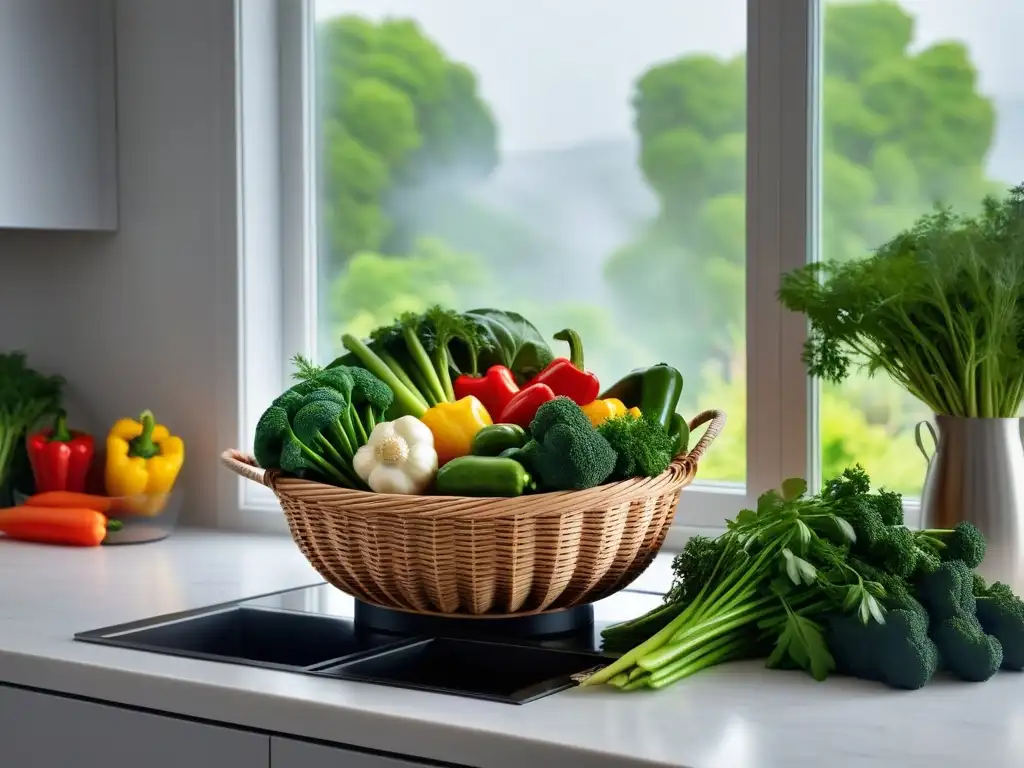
x=640 y=171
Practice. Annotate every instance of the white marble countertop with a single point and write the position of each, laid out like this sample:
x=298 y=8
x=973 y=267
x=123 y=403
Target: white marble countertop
x=737 y=716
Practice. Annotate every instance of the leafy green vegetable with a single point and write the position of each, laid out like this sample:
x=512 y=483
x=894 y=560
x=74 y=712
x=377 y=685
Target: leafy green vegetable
x=939 y=308
x=26 y=396
x=505 y=338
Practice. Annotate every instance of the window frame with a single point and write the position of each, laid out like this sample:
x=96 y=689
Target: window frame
x=278 y=237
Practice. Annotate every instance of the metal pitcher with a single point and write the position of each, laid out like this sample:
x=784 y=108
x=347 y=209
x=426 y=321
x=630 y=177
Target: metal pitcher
x=977 y=474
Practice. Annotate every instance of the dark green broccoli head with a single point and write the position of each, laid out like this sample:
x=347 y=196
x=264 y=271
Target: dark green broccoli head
x=561 y=410
x=272 y=431
x=571 y=458
x=966 y=650
x=367 y=388
x=890 y=507
x=1001 y=614
x=947 y=593
x=895 y=551
x=643 y=447
x=863 y=517
x=962 y=542
x=898 y=653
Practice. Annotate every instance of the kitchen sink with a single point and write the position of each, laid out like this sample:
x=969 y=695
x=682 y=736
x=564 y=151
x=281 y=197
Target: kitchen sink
x=252 y=636
x=320 y=632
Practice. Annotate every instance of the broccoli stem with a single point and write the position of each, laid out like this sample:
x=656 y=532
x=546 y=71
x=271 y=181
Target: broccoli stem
x=368 y=419
x=357 y=424
x=346 y=446
x=352 y=480
x=329 y=470
x=399 y=371
x=422 y=360
x=406 y=398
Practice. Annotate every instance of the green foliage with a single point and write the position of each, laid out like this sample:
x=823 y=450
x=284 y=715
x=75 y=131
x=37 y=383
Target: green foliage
x=936 y=308
x=399 y=121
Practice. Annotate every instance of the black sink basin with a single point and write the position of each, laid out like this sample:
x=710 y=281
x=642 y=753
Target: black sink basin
x=252 y=636
x=513 y=674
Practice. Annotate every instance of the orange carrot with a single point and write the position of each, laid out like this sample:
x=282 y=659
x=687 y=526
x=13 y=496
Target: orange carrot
x=71 y=500
x=55 y=525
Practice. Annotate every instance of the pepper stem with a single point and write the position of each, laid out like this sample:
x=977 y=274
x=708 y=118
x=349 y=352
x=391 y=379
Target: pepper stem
x=61 y=433
x=143 y=445
x=575 y=346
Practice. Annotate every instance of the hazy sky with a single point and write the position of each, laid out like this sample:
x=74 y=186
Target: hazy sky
x=557 y=72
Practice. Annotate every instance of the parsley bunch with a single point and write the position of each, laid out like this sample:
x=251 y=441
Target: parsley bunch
x=939 y=308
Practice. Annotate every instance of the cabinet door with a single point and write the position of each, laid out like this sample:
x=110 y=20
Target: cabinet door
x=58 y=143
x=42 y=731
x=289 y=753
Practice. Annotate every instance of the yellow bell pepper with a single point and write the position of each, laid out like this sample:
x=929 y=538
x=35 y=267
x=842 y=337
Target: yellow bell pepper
x=600 y=411
x=454 y=425
x=142 y=457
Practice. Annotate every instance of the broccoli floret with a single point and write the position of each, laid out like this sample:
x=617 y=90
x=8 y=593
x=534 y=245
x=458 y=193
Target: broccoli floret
x=962 y=542
x=895 y=551
x=1001 y=614
x=947 y=594
x=566 y=453
x=898 y=653
x=368 y=389
x=863 y=517
x=644 y=448
x=890 y=507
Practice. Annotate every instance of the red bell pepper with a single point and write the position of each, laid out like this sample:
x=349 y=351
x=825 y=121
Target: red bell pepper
x=523 y=407
x=495 y=389
x=567 y=376
x=60 y=457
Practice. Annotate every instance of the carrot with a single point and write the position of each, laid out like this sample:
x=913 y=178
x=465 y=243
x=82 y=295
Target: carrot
x=52 y=525
x=71 y=500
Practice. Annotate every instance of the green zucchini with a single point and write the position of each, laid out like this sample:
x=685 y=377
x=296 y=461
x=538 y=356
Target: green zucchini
x=493 y=439
x=483 y=476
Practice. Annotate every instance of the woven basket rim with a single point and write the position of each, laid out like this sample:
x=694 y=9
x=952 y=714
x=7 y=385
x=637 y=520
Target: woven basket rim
x=679 y=473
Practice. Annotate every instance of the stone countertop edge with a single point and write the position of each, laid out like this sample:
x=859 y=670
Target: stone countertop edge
x=736 y=716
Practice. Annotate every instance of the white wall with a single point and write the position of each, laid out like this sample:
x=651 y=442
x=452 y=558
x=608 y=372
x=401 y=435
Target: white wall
x=143 y=318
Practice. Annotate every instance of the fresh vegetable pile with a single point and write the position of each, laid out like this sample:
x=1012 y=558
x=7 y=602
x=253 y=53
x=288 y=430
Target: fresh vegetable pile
x=141 y=465
x=469 y=404
x=832 y=582
x=939 y=308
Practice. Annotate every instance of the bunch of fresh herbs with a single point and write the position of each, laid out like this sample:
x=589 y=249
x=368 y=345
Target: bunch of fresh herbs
x=939 y=308
x=26 y=397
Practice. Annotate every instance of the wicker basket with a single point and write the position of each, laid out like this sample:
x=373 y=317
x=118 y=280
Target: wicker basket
x=461 y=556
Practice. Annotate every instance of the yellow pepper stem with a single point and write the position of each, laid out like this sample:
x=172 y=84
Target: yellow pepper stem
x=143 y=445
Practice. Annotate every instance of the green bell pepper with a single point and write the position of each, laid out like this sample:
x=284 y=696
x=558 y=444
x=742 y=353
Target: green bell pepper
x=655 y=391
x=679 y=431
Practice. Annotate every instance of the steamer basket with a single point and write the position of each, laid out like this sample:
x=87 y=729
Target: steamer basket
x=486 y=557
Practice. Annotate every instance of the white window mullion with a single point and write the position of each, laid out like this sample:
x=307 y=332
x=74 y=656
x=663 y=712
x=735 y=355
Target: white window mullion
x=781 y=205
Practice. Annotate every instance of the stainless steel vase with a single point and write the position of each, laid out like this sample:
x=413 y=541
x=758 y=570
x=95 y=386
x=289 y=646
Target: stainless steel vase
x=977 y=474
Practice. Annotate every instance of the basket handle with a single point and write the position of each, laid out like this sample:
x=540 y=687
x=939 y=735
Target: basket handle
x=717 y=422
x=245 y=465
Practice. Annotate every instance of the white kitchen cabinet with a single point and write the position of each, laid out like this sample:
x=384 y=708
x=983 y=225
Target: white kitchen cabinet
x=289 y=753
x=58 y=145
x=38 y=730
